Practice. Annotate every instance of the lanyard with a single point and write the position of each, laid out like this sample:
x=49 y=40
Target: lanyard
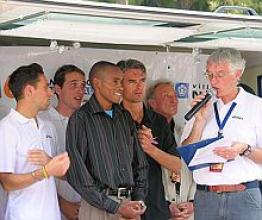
x=219 y=124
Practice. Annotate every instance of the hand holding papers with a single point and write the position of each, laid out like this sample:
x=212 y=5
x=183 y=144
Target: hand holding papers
x=187 y=152
x=207 y=156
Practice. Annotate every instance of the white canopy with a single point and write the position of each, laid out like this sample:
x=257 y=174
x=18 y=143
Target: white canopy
x=31 y=22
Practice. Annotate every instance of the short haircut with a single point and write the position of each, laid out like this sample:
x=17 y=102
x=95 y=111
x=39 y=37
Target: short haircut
x=131 y=64
x=62 y=71
x=23 y=76
x=230 y=55
x=99 y=68
x=150 y=94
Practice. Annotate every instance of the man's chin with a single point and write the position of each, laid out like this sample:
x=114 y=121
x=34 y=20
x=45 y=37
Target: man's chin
x=117 y=100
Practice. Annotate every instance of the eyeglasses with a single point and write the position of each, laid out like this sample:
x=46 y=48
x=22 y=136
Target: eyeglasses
x=218 y=75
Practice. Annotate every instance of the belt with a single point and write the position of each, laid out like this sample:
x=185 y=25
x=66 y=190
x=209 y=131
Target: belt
x=229 y=188
x=120 y=193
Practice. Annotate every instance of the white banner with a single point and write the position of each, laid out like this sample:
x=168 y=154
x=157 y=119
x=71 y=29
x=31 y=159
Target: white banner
x=184 y=69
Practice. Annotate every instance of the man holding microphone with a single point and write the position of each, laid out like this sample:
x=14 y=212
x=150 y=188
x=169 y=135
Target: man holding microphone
x=228 y=190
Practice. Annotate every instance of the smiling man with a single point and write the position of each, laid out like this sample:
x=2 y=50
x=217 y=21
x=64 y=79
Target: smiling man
x=108 y=165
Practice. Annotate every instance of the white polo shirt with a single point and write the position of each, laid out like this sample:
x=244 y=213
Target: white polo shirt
x=59 y=121
x=244 y=125
x=18 y=135
x=4 y=110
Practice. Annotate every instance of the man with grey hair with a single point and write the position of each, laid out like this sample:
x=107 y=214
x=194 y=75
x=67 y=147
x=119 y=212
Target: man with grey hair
x=179 y=189
x=228 y=190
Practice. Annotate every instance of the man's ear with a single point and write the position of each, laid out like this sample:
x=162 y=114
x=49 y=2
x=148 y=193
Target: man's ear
x=28 y=90
x=96 y=83
x=58 y=89
x=152 y=103
x=239 y=74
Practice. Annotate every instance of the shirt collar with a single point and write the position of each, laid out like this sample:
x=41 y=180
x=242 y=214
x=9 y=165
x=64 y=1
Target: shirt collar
x=23 y=120
x=240 y=98
x=94 y=107
x=19 y=117
x=56 y=114
x=148 y=114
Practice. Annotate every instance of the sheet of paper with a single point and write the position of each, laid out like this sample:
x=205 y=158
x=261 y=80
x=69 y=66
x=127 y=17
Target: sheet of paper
x=206 y=154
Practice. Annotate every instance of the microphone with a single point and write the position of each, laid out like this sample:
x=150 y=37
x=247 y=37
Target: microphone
x=198 y=106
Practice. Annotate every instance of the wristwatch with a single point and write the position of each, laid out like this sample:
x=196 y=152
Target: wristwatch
x=247 y=151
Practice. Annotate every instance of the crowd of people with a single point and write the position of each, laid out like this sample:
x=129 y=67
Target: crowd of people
x=115 y=157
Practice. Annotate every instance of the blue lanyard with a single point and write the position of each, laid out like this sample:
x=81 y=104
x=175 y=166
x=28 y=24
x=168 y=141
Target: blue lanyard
x=219 y=124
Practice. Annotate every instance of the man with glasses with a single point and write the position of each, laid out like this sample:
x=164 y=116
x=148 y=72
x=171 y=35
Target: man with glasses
x=69 y=85
x=228 y=190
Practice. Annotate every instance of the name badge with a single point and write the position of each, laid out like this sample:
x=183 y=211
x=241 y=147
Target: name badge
x=216 y=167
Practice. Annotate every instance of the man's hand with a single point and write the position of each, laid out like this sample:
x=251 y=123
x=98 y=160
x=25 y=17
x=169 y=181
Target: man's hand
x=58 y=165
x=202 y=114
x=146 y=139
x=230 y=153
x=38 y=157
x=130 y=209
x=69 y=209
x=181 y=211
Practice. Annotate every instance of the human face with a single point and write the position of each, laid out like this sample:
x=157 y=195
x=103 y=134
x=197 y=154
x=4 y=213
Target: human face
x=165 y=101
x=41 y=94
x=134 y=85
x=223 y=80
x=72 y=92
x=108 y=88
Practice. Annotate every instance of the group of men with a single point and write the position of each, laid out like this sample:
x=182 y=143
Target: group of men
x=121 y=151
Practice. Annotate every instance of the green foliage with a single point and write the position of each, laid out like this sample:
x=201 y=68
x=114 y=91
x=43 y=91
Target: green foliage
x=199 y=5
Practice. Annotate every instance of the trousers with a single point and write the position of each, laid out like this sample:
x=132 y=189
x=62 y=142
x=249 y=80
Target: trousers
x=246 y=205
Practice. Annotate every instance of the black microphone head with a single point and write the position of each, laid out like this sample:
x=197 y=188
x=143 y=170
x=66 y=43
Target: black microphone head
x=199 y=105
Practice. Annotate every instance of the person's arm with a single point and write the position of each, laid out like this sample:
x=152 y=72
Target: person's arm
x=140 y=170
x=69 y=209
x=168 y=158
x=55 y=167
x=199 y=122
x=196 y=132
x=78 y=175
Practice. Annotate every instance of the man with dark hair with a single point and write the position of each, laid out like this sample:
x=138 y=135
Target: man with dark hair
x=69 y=82
x=160 y=150
x=108 y=165
x=28 y=180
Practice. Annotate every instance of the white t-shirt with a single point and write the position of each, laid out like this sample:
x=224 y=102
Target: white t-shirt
x=19 y=134
x=244 y=125
x=4 y=110
x=59 y=121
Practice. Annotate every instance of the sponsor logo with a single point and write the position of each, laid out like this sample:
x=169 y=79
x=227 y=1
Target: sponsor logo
x=182 y=90
x=237 y=117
